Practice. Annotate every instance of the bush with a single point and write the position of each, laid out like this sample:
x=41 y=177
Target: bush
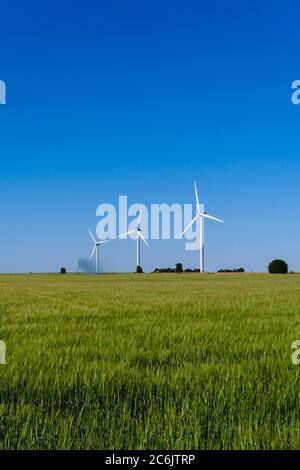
x=139 y=269
x=178 y=268
x=238 y=270
x=164 y=270
x=278 y=266
x=63 y=270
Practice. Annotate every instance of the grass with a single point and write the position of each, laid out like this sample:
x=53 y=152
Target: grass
x=158 y=361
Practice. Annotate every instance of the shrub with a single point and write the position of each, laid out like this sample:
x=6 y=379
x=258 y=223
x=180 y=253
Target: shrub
x=278 y=266
x=238 y=270
x=139 y=269
x=63 y=270
x=164 y=270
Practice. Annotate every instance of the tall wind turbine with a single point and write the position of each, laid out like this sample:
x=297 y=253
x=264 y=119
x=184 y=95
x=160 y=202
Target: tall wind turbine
x=201 y=216
x=139 y=237
x=96 y=248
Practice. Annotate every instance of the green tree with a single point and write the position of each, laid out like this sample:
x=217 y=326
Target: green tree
x=179 y=268
x=278 y=266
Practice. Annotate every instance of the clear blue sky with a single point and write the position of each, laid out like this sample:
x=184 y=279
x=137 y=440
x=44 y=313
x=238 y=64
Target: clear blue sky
x=141 y=98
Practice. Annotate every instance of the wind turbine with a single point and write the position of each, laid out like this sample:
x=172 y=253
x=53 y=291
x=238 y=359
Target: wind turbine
x=201 y=216
x=96 y=248
x=139 y=237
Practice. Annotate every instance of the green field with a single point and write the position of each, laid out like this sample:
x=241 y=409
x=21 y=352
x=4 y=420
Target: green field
x=154 y=361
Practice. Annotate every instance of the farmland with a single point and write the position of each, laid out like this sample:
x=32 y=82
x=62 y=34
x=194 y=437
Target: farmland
x=152 y=361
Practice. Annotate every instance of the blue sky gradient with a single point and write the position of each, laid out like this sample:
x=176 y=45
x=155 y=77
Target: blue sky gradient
x=140 y=98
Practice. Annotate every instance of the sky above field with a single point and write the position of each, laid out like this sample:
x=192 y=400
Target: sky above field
x=141 y=98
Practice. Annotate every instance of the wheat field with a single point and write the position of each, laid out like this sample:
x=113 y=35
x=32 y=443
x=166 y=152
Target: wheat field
x=150 y=361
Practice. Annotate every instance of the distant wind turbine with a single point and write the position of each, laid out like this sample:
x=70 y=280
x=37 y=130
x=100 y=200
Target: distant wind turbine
x=139 y=237
x=96 y=248
x=202 y=216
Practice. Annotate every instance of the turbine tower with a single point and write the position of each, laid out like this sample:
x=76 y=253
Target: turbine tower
x=201 y=216
x=139 y=237
x=96 y=248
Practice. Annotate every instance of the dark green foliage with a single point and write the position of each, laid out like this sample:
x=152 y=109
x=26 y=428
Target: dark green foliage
x=164 y=270
x=63 y=270
x=278 y=266
x=178 y=268
x=238 y=270
x=172 y=270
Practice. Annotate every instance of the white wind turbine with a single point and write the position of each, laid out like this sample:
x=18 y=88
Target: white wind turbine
x=96 y=248
x=139 y=237
x=201 y=216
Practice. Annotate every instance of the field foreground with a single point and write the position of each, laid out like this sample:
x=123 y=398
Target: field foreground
x=149 y=361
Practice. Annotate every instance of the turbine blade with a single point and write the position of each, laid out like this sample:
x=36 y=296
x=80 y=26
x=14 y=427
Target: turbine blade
x=104 y=241
x=127 y=233
x=197 y=198
x=139 y=219
x=92 y=236
x=210 y=217
x=93 y=251
x=189 y=225
x=143 y=238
